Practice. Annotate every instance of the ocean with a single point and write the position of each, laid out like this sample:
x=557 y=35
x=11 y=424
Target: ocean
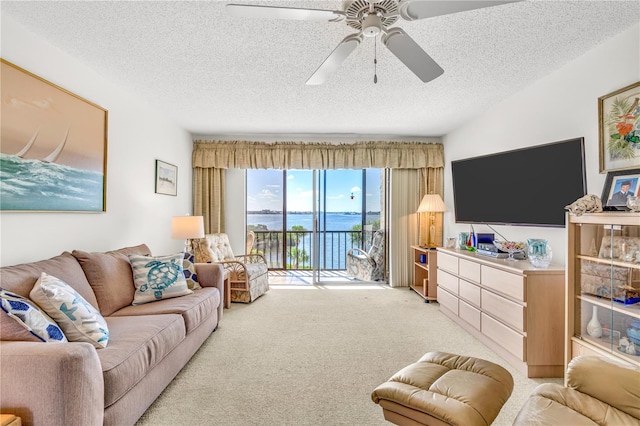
x=334 y=221
x=39 y=186
x=334 y=245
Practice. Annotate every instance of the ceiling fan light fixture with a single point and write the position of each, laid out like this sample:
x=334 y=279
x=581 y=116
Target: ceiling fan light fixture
x=371 y=25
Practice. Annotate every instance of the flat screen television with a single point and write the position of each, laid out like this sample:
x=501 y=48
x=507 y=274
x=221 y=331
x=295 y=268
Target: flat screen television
x=529 y=186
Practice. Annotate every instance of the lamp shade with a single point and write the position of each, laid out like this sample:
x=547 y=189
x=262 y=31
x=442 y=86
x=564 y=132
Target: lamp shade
x=187 y=227
x=432 y=203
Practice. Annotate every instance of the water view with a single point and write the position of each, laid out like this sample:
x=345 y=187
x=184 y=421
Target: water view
x=335 y=242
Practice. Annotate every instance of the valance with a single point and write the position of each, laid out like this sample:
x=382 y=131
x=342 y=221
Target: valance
x=298 y=155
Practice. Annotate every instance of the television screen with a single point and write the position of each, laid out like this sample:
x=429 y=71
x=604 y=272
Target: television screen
x=529 y=186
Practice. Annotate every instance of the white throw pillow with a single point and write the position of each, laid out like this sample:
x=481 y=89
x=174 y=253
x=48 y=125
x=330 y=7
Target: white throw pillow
x=158 y=278
x=79 y=320
x=31 y=317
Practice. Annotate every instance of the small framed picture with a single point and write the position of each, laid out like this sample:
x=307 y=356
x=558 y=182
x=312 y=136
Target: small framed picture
x=618 y=186
x=619 y=126
x=166 y=178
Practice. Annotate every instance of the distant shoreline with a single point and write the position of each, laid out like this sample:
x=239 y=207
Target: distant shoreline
x=309 y=212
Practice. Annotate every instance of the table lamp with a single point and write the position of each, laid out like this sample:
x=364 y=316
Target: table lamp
x=187 y=228
x=432 y=203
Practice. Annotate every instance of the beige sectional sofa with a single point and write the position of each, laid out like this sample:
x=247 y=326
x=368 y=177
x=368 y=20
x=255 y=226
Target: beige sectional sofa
x=73 y=383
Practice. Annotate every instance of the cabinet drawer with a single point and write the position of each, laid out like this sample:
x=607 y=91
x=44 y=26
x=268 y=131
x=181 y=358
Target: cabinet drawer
x=448 y=301
x=503 y=309
x=503 y=282
x=503 y=335
x=469 y=314
x=469 y=270
x=448 y=281
x=470 y=292
x=448 y=262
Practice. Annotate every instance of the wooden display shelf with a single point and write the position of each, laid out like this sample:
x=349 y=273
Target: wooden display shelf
x=425 y=274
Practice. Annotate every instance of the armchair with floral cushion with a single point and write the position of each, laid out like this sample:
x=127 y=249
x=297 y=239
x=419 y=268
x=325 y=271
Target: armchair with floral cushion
x=368 y=266
x=248 y=273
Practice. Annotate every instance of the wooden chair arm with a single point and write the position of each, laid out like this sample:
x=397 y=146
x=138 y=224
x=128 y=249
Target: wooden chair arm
x=252 y=258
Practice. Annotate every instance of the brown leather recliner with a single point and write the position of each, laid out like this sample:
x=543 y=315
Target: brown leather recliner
x=598 y=392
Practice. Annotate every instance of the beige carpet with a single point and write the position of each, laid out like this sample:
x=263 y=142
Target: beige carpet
x=311 y=356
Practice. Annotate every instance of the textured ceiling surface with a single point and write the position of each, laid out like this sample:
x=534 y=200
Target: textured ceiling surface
x=222 y=75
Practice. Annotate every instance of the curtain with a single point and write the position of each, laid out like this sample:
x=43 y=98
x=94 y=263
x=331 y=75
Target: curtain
x=404 y=201
x=418 y=168
x=322 y=156
x=208 y=198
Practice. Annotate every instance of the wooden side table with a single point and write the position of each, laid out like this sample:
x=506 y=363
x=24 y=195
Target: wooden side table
x=425 y=274
x=10 y=420
x=227 y=289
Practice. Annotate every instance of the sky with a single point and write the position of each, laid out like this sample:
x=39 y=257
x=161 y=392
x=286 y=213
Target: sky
x=344 y=190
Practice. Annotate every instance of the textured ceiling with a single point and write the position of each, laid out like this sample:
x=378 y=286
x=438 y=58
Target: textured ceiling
x=221 y=75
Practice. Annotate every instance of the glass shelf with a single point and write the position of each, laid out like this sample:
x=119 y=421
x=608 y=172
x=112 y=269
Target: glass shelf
x=604 y=271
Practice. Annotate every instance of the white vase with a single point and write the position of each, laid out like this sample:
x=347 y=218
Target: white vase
x=594 y=328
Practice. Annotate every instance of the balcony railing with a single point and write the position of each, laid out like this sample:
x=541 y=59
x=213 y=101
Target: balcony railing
x=294 y=249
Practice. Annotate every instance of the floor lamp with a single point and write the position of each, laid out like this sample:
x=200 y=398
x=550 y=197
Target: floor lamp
x=187 y=228
x=432 y=204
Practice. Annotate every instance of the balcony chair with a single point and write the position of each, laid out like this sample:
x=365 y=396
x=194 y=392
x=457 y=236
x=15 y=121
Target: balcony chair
x=248 y=277
x=368 y=266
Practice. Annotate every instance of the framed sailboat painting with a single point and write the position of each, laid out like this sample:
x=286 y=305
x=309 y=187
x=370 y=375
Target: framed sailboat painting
x=53 y=155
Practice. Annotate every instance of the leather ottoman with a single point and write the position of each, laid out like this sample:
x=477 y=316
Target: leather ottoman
x=445 y=389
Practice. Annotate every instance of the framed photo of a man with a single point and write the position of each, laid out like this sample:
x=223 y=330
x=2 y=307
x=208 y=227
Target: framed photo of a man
x=619 y=186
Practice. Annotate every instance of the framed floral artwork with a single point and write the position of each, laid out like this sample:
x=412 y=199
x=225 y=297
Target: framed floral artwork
x=619 y=122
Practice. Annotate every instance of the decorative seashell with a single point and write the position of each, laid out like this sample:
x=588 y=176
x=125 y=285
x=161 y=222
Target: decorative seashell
x=590 y=203
x=624 y=342
x=631 y=349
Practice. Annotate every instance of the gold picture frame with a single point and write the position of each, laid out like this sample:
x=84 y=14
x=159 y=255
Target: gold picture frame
x=54 y=146
x=619 y=127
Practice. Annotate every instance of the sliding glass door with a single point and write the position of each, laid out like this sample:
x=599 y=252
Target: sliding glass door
x=307 y=220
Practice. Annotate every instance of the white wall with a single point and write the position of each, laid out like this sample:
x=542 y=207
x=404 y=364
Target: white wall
x=137 y=136
x=560 y=106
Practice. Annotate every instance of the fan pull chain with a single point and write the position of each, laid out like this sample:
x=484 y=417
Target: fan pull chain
x=375 y=60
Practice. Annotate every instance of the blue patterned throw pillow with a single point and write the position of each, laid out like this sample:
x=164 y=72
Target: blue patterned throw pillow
x=79 y=320
x=189 y=269
x=28 y=315
x=157 y=278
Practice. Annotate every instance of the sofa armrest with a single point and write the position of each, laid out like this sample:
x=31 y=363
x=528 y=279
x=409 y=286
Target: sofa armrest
x=212 y=275
x=612 y=383
x=51 y=383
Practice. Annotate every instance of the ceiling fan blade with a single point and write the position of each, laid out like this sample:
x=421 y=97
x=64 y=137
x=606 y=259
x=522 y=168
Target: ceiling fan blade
x=411 y=10
x=335 y=59
x=411 y=54
x=276 y=12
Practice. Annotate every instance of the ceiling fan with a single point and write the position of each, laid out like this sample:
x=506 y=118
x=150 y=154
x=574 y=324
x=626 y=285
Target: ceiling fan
x=371 y=18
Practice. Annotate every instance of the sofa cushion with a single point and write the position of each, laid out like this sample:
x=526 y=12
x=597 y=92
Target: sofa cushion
x=29 y=317
x=157 y=278
x=194 y=308
x=189 y=268
x=110 y=276
x=20 y=279
x=80 y=321
x=137 y=344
